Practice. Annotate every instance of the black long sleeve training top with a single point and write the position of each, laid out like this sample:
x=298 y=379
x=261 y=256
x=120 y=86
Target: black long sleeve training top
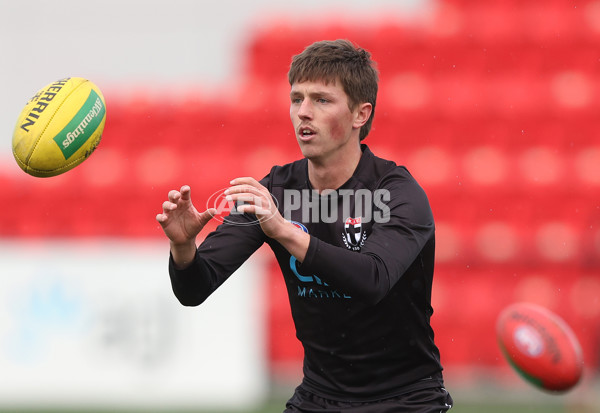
x=361 y=299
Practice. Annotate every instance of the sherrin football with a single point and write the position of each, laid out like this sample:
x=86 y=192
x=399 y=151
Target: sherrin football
x=59 y=127
x=540 y=346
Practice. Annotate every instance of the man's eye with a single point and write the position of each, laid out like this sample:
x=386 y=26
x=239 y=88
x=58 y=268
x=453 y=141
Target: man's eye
x=322 y=100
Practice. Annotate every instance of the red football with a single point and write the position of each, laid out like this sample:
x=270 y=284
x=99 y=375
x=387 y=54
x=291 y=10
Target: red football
x=540 y=346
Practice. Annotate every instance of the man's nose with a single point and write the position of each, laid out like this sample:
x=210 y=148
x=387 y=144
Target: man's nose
x=305 y=110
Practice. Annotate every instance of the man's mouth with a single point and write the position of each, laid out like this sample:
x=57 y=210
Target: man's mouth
x=306 y=132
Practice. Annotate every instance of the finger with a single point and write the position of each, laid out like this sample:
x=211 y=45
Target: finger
x=208 y=215
x=245 y=180
x=244 y=188
x=257 y=210
x=185 y=192
x=168 y=207
x=247 y=198
x=174 y=195
x=251 y=204
x=161 y=218
x=246 y=208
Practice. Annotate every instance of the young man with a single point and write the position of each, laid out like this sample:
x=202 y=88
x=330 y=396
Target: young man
x=353 y=235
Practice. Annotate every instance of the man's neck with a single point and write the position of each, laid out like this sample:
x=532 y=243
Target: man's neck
x=333 y=173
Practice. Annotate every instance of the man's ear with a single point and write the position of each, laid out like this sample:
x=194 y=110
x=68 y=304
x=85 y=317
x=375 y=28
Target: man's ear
x=362 y=114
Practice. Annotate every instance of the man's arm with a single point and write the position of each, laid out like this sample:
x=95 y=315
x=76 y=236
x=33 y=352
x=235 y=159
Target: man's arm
x=197 y=272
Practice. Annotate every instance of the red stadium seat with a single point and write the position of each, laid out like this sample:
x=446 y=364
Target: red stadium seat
x=542 y=167
x=485 y=166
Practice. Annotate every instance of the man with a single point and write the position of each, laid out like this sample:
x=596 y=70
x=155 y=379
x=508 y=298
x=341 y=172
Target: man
x=353 y=235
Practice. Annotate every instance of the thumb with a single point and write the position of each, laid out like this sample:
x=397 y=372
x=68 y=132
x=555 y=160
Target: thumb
x=207 y=215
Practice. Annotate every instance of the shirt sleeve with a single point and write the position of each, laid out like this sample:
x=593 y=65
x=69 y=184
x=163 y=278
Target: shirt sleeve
x=218 y=256
x=221 y=253
x=389 y=251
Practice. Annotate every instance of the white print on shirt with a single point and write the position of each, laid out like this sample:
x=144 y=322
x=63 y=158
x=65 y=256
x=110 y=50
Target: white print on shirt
x=354 y=236
x=322 y=290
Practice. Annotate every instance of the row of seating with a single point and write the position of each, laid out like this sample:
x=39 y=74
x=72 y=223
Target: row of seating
x=479 y=170
x=473 y=229
x=561 y=93
x=565 y=94
x=553 y=243
x=525 y=20
x=565 y=145
x=444 y=57
x=448 y=43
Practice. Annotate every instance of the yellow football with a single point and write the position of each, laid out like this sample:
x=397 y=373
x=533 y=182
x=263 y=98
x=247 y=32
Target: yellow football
x=59 y=127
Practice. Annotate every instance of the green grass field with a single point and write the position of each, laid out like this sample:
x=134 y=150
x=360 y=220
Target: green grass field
x=480 y=396
x=276 y=406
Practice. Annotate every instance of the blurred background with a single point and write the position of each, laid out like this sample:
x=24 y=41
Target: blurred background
x=493 y=107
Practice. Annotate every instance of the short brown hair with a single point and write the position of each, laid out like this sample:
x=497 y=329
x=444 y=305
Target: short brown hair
x=330 y=60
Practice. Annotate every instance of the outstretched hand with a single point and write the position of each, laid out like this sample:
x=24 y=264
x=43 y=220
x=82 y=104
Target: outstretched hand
x=180 y=220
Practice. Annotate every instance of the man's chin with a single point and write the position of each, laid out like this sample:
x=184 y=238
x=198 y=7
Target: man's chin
x=307 y=149
x=308 y=153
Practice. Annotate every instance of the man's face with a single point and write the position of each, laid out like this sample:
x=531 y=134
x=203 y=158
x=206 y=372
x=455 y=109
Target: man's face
x=321 y=118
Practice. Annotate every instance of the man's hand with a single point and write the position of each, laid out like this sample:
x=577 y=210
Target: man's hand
x=181 y=223
x=254 y=198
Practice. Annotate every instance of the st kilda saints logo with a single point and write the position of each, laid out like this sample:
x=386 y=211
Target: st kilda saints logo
x=354 y=234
